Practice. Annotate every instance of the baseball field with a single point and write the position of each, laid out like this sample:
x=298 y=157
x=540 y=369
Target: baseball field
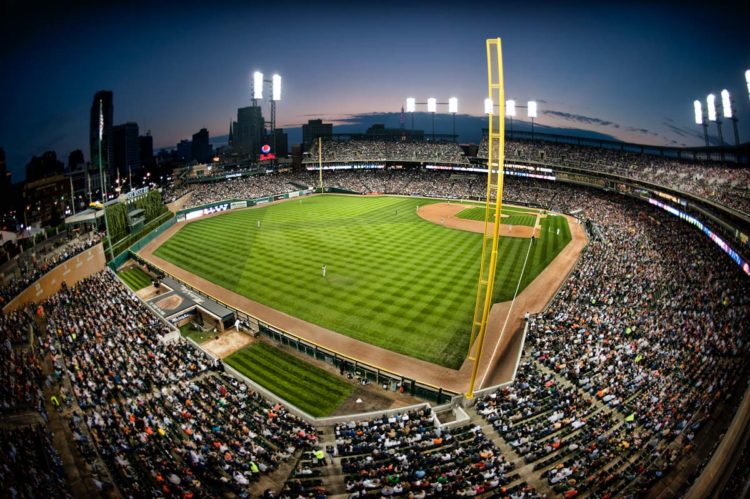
x=392 y=278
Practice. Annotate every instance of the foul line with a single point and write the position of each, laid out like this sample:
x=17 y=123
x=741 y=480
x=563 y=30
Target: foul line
x=512 y=303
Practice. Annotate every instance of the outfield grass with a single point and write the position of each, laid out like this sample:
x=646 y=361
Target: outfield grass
x=310 y=388
x=513 y=217
x=135 y=278
x=393 y=279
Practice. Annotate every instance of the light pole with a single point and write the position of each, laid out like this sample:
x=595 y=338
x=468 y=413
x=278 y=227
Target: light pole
x=510 y=112
x=531 y=109
x=275 y=82
x=432 y=108
x=711 y=105
x=453 y=109
x=432 y=103
x=698 y=108
x=726 y=107
x=411 y=106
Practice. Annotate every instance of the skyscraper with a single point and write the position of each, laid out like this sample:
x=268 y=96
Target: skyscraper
x=248 y=131
x=314 y=129
x=184 y=150
x=146 y=146
x=201 y=149
x=280 y=140
x=125 y=154
x=75 y=160
x=105 y=99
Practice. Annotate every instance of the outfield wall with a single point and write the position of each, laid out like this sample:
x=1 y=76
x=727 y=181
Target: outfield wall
x=70 y=272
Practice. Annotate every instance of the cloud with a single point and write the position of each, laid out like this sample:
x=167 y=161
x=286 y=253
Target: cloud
x=580 y=118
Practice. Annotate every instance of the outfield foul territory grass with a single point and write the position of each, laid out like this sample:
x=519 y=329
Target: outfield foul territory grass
x=513 y=217
x=393 y=279
x=135 y=278
x=310 y=388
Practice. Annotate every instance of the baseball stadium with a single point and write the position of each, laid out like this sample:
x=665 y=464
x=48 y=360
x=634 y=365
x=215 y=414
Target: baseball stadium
x=538 y=315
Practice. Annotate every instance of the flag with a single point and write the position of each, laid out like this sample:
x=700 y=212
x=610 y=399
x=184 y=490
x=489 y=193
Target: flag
x=630 y=418
x=638 y=358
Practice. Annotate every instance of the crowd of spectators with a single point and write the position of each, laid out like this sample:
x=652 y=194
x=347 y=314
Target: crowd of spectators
x=251 y=187
x=654 y=335
x=727 y=185
x=379 y=151
x=408 y=455
x=624 y=367
x=30 y=466
x=32 y=265
x=163 y=417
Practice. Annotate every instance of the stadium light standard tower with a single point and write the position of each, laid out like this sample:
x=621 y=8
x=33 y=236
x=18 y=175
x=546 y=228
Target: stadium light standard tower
x=411 y=107
x=712 y=116
x=275 y=82
x=699 y=120
x=432 y=108
x=510 y=112
x=728 y=111
x=531 y=110
x=453 y=109
x=747 y=80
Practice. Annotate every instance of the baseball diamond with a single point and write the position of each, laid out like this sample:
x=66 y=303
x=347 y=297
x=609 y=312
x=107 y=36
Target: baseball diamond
x=393 y=279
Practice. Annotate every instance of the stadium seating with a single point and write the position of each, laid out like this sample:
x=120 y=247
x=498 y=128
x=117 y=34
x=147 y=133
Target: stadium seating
x=721 y=183
x=31 y=466
x=622 y=370
x=32 y=265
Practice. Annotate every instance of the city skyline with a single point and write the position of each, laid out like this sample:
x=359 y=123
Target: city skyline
x=629 y=72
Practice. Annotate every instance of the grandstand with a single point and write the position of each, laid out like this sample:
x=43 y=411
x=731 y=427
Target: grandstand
x=627 y=379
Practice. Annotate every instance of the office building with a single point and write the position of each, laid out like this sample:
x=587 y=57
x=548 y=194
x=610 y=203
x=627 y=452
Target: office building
x=76 y=161
x=314 y=129
x=201 y=149
x=146 y=148
x=247 y=131
x=184 y=150
x=279 y=142
x=125 y=149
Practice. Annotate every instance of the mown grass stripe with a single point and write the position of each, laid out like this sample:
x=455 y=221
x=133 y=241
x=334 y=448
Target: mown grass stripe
x=310 y=388
x=394 y=279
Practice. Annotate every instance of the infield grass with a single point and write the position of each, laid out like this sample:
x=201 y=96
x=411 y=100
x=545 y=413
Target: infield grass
x=510 y=217
x=308 y=387
x=393 y=279
x=135 y=278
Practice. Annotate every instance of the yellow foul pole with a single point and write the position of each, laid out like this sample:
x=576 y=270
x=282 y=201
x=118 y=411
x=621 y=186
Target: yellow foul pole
x=491 y=239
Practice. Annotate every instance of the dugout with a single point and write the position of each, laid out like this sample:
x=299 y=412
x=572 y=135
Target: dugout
x=177 y=303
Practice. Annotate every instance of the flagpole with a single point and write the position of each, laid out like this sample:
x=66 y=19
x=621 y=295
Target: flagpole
x=101 y=179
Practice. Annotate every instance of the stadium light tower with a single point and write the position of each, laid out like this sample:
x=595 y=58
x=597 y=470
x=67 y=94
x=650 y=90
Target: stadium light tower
x=432 y=108
x=411 y=107
x=531 y=109
x=453 y=109
x=275 y=82
x=510 y=112
x=699 y=120
x=432 y=104
x=257 y=85
x=747 y=80
x=712 y=116
x=726 y=108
